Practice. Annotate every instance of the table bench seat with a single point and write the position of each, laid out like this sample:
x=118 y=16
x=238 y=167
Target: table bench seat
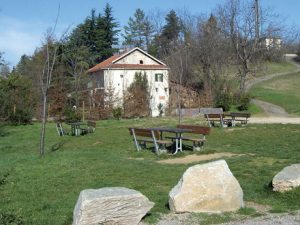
x=151 y=137
x=198 y=142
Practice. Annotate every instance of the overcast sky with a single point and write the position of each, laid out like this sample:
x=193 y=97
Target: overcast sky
x=23 y=22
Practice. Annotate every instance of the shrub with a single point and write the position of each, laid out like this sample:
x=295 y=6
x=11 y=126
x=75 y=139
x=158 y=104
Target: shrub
x=71 y=115
x=117 y=112
x=160 y=108
x=16 y=100
x=244 y=102
x=223 y=100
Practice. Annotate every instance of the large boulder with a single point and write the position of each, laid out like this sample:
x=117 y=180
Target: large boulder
x=287 y=179
x=110 y=206
x=209 y=188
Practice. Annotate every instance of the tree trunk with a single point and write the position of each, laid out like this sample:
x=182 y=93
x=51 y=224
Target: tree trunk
x=43 y=130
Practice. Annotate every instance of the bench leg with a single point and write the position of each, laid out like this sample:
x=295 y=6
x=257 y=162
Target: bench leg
x=138 y=148
x=155 y=143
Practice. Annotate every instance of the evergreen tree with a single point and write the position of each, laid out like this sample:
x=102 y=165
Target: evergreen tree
x=98 y=34
x=108 y=33
x=139 y=31
x=171 y=30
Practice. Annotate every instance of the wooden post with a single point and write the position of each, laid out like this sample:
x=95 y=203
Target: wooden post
x=14 y=109
x=83 y=111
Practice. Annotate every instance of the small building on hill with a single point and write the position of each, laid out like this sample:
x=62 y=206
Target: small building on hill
x=118 y=72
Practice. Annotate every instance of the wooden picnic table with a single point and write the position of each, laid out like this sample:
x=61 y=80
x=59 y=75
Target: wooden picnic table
x=178 y=135
x=75 y=128
x=238 y=117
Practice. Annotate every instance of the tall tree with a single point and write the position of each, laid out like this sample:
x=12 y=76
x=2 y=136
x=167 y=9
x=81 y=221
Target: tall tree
x=98 y=34
x=108 y=33
x=139 y=31
x=172 y=28
x=238 y=20
x=49 y=50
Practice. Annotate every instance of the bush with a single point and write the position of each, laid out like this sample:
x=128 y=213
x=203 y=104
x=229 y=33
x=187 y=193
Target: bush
x=21 y=116
x=244 y=102
x=223 y=100
x=117 y=112
x=16 y=100
x=71 y=115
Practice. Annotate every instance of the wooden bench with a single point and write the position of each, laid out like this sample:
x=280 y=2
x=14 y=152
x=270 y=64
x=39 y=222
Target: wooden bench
x=239 y=117
x=212 y=118
x=91 y=126
x=141 y=136
x=198 y=141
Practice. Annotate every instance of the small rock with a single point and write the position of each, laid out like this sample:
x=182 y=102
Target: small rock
x=287 y=179
x=209 y=188
x=110 y=206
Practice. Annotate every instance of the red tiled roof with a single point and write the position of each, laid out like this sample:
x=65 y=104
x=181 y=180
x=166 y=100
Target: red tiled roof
x=110 y=64
x=105 y=64
x=136 y=66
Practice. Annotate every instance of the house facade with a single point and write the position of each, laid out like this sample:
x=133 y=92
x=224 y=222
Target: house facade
x=118 y=73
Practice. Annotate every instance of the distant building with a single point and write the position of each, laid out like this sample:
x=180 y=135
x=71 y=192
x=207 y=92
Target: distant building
x=273 y=43
x=118 y=72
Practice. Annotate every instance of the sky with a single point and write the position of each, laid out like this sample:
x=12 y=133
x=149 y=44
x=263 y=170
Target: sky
x=24 y=22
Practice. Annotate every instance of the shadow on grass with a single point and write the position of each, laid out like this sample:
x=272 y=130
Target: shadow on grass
x=57 y=146
x=3 y=131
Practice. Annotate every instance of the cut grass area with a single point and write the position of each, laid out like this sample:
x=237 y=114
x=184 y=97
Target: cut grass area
x=282 y=91
x=277 y=67
x=253 y=109
x=45 y=190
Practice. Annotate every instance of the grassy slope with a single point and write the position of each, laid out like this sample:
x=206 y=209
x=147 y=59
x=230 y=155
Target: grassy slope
x=277 y=67
x=282 y=91
x=45 y=190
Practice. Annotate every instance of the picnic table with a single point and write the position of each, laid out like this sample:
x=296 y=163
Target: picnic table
x=75 y=128
x=175 y=130
x=235 y=117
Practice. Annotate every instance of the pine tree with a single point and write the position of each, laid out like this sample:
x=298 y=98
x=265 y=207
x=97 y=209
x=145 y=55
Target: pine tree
x=171 y=30
x=139 y=31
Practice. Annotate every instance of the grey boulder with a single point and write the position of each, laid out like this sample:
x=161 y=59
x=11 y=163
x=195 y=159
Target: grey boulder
x=110 y=206
x=287 y=179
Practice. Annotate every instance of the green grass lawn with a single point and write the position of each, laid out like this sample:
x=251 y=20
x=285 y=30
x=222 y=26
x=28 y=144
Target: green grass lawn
x=277 y=67
x=282 y=91
x=44 y=190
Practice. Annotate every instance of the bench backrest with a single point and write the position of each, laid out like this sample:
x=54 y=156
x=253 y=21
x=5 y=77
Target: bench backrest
x=239 y=114
x=141 y=132
x=195 y=129
x=214 y=116
x=211 y=110
x=91 y=124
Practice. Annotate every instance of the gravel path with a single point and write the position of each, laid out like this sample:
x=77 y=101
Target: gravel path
x=270 y=109
x=250 y=83
x=282 y=219
x=275 y=120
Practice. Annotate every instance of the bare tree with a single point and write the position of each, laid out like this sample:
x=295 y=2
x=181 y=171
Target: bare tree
x=239 y=23
x=45 y=80
x=50 y=55
x=178 y=61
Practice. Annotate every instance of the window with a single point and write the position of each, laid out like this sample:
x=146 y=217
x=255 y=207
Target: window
x=166 y=90
x=141 y=62
x=159 y=77
x=156 y=89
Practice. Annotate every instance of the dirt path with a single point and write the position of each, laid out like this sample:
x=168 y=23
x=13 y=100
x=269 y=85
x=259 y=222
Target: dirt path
x=250 y=83
x=198 y=158
x=270 y=109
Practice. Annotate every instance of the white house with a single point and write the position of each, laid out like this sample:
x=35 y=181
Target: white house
x=119 y=72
